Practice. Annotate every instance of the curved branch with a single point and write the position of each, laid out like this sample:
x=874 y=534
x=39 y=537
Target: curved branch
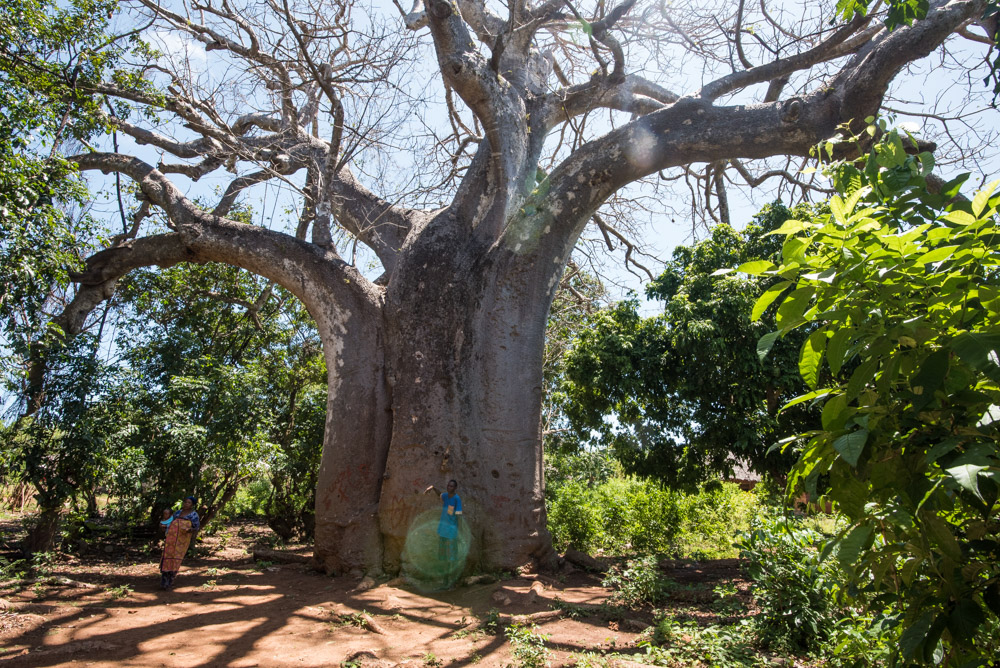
x=845 y=40
x=633 y=95
x=381 y=225
x=302 y=268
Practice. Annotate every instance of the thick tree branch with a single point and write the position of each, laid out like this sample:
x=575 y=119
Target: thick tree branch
x=298 y=266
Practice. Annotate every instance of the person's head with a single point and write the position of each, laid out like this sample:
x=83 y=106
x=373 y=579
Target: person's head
x=166 y=513
x=188 y=503
x=452 y=486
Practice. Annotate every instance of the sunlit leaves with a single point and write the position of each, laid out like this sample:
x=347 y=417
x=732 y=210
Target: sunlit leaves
x=898 y=289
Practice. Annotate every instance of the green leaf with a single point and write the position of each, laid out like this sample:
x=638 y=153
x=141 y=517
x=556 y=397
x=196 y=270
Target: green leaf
x=960 y=217
x=861 y=377
x=756 y=267
x=982 y=198
x=789 y=227
x=979 y=351
x=966 y=619
x=811 y=357
x=765 y=343
x=851 y=445
x=913 y=637
x=940 y=533
x=936 y=255
x=836 y=348
x=791 y=310
x=767 y=299
x=930 y=378
x=835 y=413
x=837 y=209
x=802 y=398
x=850 y=547
x=967 y=477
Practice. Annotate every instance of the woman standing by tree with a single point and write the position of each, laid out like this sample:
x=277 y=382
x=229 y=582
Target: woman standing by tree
x=179 y=532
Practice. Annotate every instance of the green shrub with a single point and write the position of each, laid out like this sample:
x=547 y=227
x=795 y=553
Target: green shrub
x=713 y=517
x=527 y=646
x=626 y=515
x=639 y=582
x=688 y=644
x=794 y=588
x=574 y=518
x=249 y=502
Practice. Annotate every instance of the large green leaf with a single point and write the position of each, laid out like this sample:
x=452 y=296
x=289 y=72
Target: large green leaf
x=851 y=445
x=767 y=299
x=756 y=267
x=967 y=477
x=835 y=413
x=914 y=635
x=811 y=357
x=982 y=198
x=791 y=310
x=979 y=350
x=861 y=377
x=765 y=343
x=852 y=544
x=941 y=534
x=929 y=378
x=836 y=348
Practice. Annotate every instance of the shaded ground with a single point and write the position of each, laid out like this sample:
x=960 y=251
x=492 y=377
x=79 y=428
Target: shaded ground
x=107 y=610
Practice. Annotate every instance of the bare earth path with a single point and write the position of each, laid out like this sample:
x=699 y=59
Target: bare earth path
x=228 y=611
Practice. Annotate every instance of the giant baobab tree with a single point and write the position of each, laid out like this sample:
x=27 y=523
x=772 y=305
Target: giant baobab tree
x=468 y=145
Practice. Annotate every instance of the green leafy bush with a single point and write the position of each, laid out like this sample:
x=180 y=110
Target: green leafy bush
x=794 y=588
x=626 y=515
x=527 y=646
x=618 y=516
x=640 y=581
x=689 y=644
x=713 y=517
x=899 y=289
x=574 y=517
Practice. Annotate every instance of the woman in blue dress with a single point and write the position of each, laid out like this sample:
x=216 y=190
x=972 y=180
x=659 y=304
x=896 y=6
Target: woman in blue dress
x=451 y=508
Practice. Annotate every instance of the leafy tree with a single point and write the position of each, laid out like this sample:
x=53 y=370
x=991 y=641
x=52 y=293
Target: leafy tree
x=900 y=289
x=223 y=374
x=436 y=367
x=49 y=53
x=682 y=395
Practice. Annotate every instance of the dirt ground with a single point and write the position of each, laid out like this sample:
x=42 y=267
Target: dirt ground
x=227 y=610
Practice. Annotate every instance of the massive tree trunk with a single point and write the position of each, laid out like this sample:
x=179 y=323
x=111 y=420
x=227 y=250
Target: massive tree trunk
x=457 y=395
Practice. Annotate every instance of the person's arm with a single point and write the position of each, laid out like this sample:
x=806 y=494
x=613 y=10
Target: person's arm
x=458 y=505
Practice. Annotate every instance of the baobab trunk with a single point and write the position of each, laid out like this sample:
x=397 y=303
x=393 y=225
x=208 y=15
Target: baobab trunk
x=463 y=341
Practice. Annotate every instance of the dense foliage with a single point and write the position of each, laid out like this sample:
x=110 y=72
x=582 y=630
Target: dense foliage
x=682 y=396
x=593 y=506
x=225 y=383
x=900 y=291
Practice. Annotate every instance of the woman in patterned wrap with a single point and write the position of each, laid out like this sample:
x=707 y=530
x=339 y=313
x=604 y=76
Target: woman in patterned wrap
x=179 y=532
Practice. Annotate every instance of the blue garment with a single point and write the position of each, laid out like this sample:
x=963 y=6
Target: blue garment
x=192 y=516
x=167 y=521
x=448 y=525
